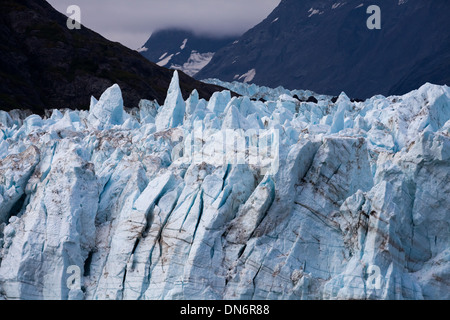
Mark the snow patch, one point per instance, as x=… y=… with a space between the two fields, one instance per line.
x=162 y=57
x=337 y=5
x=165 y=61
x=183 y=45
x=248 y=76
x=313 y=12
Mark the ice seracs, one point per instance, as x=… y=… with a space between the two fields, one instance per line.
x=148 y=206
x=171 y=114
x=108 y=111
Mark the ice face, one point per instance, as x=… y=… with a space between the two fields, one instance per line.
x=175 y=202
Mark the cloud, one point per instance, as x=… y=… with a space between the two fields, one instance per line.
x=132 y=22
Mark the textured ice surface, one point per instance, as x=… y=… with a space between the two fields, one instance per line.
x=171 y=113
x=358 y=209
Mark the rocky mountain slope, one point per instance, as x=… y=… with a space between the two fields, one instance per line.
x=325 y=46
x=44 y=65
x=326 y=200
x=182 y=50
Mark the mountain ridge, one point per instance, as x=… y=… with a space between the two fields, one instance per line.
x=44 y=65
x=326 y=47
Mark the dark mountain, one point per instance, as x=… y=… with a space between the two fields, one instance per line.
x=45 y=65
x=182 y=49
x=325 y=46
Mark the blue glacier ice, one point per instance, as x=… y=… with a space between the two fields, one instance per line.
x=145 y=206
x=171 y=113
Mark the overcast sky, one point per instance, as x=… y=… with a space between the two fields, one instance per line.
x=131 y=22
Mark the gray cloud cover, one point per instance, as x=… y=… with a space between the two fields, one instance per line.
x=132 y=22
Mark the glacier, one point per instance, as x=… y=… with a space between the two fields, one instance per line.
x=357 y=208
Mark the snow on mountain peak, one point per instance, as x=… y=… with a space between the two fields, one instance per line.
x=195 y=63
x=183 y=50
